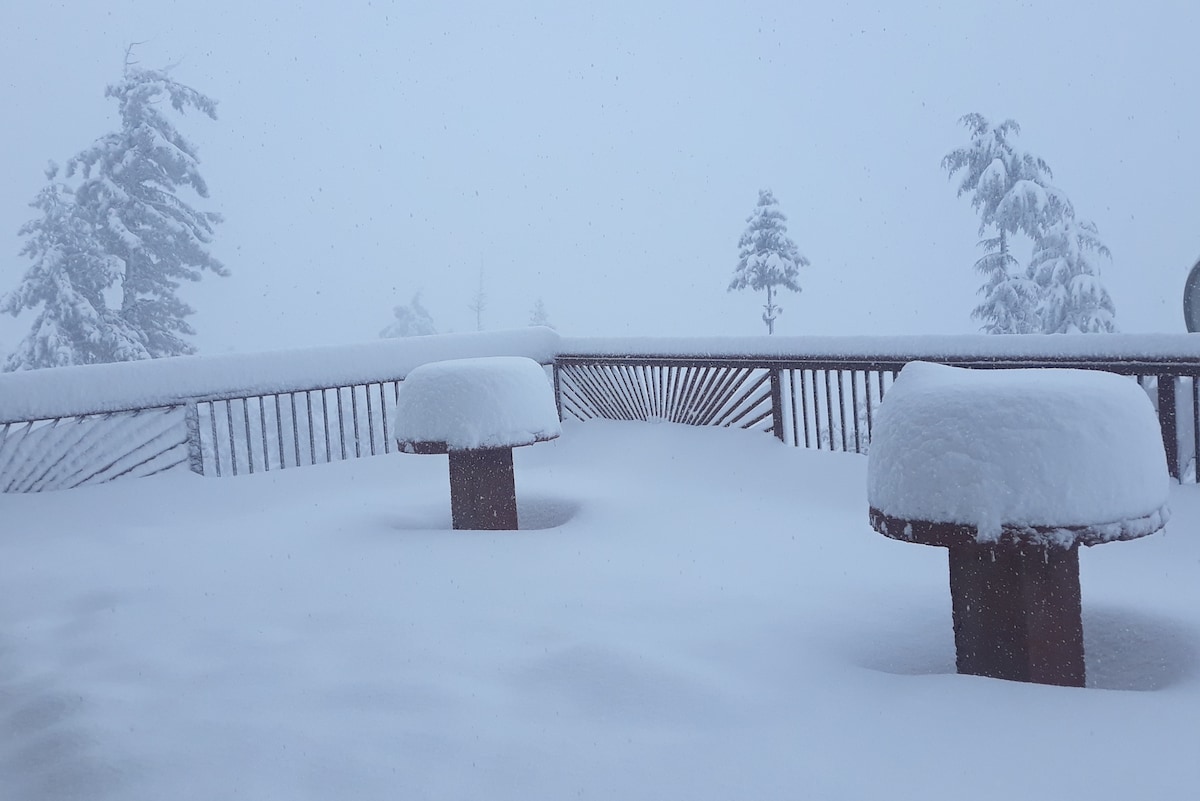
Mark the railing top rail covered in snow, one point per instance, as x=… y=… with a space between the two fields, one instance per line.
x=1167 y=354
x=130 y=386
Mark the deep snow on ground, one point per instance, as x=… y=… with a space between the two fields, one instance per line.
x=688 y=613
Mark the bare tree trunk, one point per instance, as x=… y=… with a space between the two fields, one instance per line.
x=479 y=302
x=769 y=317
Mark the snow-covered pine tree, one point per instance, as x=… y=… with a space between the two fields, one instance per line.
x=1008 y=190
x=538 y=316
x=767 y=258
x=129 y=192
x=1072 y=297
x=66 y=282
x=411 y=321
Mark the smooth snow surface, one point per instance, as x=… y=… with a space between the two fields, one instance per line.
x=699 y=614
x=1040 y=447
x=502 y=401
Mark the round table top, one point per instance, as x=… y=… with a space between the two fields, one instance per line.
x=1043 y=446
x=949 y=535
x=475 y=404
x=436 y=447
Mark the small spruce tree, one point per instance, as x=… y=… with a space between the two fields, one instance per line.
x=411 y=321
x=538 y=316
x=767 y=258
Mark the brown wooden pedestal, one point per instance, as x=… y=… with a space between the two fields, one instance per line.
x=1018 y=613
x=1017 y=606
x=483 y=492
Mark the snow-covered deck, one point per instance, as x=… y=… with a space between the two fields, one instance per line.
x=689 y=613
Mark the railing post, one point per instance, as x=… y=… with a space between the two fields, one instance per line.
x=191 y=417
x=1167 y=421
x=777 y=403
x=554 y=369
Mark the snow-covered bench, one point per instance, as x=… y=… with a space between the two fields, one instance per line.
x=477 y=411
x=1013 y=470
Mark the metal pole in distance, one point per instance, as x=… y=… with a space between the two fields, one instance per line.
x=483 y=493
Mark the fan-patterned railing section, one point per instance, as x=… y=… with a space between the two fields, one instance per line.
x=830 y=403
x=820 y=406
x=694 y=394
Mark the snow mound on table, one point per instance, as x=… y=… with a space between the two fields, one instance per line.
x=1035 y=447
x=501 y=401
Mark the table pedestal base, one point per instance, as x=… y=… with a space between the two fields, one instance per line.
x=1017 y=613
x=483 y=493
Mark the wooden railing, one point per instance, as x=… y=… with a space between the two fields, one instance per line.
x=824 y=399
x=67 y=429
x=219 y=416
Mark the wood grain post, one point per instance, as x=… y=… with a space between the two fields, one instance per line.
x=1018 y=613
x=483 y=492
x=1170 y=425
x=777 y=404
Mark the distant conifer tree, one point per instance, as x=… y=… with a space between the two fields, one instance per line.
x=129 y=192
x=767 y=258
x=1059 y=290
x=411 y=321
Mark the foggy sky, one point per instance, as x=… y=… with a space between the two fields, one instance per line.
x=604 y=157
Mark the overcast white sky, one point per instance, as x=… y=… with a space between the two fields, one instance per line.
x=604 y=157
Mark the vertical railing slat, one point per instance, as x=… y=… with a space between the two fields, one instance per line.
x=232 y=440
x=262 y=424
x=212 y=418
x=249 y=442
x=325 y=424
x=370 y=418
x=1167 y=420
x=279 y=431
x=776 y=404
x=1195 y=429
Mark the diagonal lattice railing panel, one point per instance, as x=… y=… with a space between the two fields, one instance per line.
x=69 y=452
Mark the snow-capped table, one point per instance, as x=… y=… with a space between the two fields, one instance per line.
x=477 y=411
x=1011 y=471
